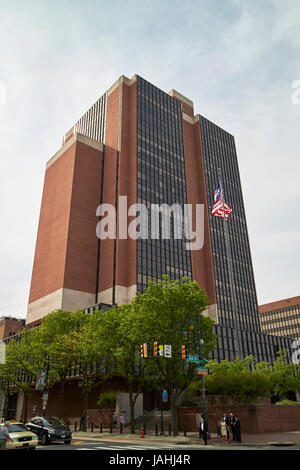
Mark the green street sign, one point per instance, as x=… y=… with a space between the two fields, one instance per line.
x=202 y=362
x=193 y=358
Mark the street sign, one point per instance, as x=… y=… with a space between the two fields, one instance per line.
x=202 y=362
x=193 y=358
x=161 y=349
x=167 y=350
x=202 y=370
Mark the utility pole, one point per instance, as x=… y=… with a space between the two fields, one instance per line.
x=202 y=378
x=45 y=391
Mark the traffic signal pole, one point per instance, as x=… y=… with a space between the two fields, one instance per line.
x=202 y=378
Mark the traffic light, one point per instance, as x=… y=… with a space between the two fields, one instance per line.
x=183 y=351
x=155 y=349
x=144 y=350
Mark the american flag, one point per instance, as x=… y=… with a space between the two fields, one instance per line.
x=220 y=206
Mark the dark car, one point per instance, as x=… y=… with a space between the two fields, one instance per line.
x=49 y=430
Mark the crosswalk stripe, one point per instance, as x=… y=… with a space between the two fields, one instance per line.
x=141 y=447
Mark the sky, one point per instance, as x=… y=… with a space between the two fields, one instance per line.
x=238 y=61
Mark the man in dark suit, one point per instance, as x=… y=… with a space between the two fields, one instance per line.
x=203 y=430
x=238 y=430
x=232 y=422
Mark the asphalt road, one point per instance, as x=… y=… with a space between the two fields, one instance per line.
x=119 y=446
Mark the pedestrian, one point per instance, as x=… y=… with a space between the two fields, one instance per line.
x=115 y=419
x=81 y=426
x=226 y=419
x=224 y=429
x=122 y=423
x=218 y=427
x=238 y=430
x=232 y=421
x=4 y=435
x=203 y=430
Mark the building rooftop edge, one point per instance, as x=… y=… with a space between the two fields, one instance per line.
x=176 y=94
x=69 y=138
x=278 y=304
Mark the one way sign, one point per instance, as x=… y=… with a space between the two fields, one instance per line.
x=167 y=350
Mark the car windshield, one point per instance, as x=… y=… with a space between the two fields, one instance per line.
x=17 y=428
x=54 y=422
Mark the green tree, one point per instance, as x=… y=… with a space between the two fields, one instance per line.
x=115 y=337
x=59 y=335
x=22 y=370
x=241 y=380
x=167 y=312
x=88 y=360
x=285 y=376
x=54 y=348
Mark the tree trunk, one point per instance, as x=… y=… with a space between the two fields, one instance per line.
x=61 y=397
x=174 y=411
x=5 y=408
x=25 y=408
x=85 y=406
x=132 y=403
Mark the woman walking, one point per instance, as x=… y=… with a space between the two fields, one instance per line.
x=224 y=429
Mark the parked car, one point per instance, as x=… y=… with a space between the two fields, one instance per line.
x=50 y=429
x=21 y=437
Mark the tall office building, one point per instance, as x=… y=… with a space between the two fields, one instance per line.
x=140 y=142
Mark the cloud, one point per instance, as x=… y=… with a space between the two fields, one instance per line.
x=236 y=60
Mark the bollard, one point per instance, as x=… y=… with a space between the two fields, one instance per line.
x=156 y=429
x=100 y=427
x=92 y=427
x=184 y=430
x=75 y=426
x=110 y=429
x=170 y=430
x=144 y=429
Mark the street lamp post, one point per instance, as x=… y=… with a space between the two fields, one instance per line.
x=202 y=378
x=162 y=431
x=46 y=389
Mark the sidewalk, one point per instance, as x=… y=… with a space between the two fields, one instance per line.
x=191 y=438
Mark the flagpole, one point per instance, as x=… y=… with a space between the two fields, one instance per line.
x=231 y=278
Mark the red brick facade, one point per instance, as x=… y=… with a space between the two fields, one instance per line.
x=10 y=326
x=255 y=419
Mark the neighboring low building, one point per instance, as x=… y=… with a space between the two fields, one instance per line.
x=10 y=326
x=281 y=318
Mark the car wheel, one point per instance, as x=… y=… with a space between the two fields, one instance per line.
x=44 y=439
x=67 y=442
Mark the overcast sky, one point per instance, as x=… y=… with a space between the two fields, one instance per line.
x=237 y=61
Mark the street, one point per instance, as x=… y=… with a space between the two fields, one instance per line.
x=125 y=446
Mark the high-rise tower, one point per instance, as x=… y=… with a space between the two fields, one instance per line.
x=140 y=142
